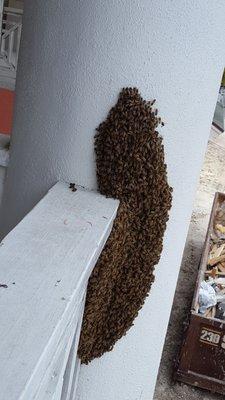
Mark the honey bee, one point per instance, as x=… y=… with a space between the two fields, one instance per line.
x=72 y=187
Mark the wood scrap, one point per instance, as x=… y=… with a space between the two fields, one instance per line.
x=216 y=260
x=221 y=268
x=213 y=312
x=213 y=251
x=207 y=313
x=220 y=228
x=219 y=251
x=210 y=312
x=214 y=272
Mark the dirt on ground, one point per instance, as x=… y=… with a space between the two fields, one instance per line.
x=212 y=179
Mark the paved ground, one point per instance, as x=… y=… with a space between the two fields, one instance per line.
x=212 y=179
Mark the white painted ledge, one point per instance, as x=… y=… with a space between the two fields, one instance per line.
x=46 y=262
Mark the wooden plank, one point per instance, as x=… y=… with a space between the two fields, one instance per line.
x=74 y=354
x=73 y=366
x=46 y=262
x=57 y=364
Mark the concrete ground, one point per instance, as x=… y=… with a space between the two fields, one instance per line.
x=212 y=179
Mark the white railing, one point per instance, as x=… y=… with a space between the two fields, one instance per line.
x=13 y=11
x=45 y=263
x=10 y=38
x=10 y=43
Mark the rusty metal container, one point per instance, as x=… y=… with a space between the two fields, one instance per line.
x=201 y=361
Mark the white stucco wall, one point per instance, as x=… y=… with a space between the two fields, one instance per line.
x=75 y=58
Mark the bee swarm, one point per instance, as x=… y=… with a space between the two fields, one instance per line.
x=131 y=168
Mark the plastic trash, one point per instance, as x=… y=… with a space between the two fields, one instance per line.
x=207 y=297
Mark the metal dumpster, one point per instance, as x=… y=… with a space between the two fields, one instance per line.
x=201 y=361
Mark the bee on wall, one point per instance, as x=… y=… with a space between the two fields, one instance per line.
x=130 y=167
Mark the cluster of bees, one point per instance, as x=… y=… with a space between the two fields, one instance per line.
x=131 y=168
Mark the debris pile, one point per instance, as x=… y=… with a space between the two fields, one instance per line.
x=212 y=289
x=131 y=168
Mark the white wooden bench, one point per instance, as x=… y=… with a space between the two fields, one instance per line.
x=46 y=262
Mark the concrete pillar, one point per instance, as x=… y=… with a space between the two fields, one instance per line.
x=75 y=57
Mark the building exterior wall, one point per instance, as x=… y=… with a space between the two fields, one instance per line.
x=74 y=60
